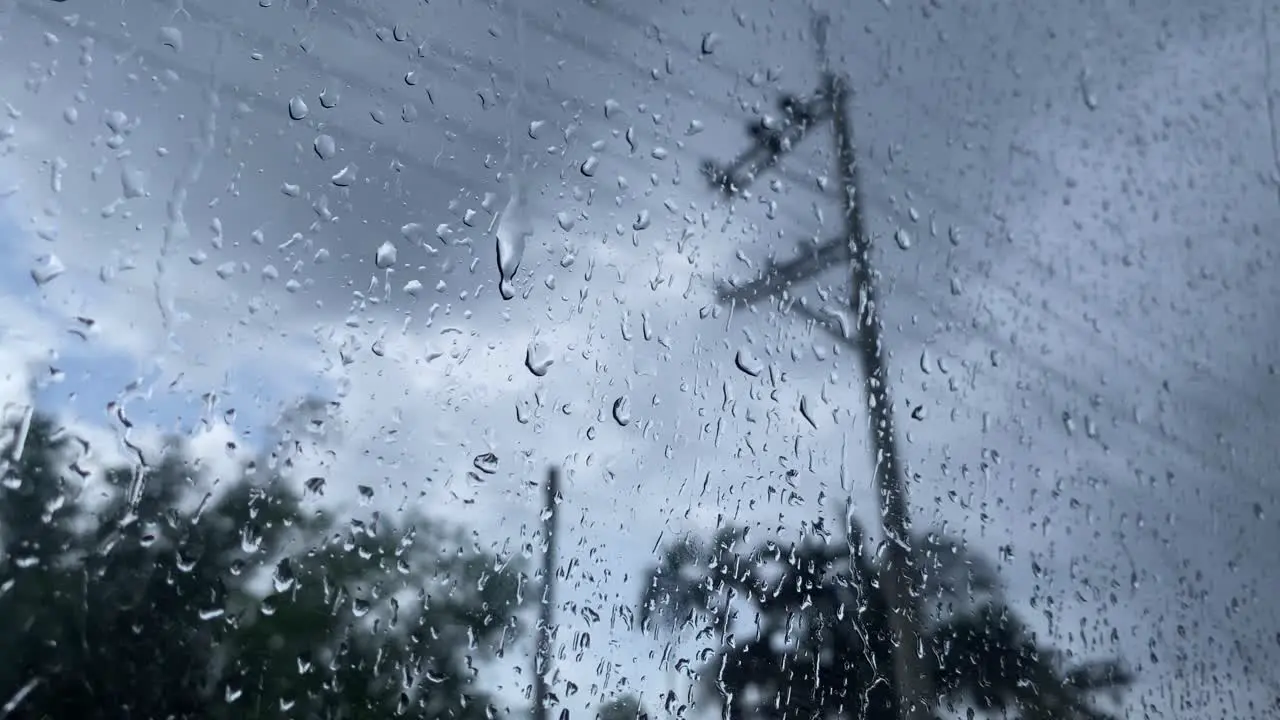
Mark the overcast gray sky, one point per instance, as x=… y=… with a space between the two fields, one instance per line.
x=1085 y=309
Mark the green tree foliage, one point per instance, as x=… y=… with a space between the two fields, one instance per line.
x=805 y=627
x=151 y=592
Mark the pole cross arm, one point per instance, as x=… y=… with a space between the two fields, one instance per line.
x=773 y=139
x=780 y=276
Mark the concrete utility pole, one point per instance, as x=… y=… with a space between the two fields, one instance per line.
x=542 y=654
x=772 y=142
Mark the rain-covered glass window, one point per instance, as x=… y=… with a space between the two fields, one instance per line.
x=681 y=359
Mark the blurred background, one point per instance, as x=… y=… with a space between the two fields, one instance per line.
x=303 y=301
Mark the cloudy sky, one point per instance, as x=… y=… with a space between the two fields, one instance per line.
x=1075 y=206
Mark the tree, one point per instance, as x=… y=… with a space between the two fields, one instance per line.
x=151 y=594
x=805 y=628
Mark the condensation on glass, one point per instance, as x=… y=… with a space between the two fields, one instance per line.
x=597 y=359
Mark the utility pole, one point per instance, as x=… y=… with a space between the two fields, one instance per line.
x=542 y=654
x=772 y=142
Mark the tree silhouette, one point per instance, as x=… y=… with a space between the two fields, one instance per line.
x=804 y=628
x=149 y=592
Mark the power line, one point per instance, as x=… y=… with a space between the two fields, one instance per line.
x=632 y=20
x=921 y=291
x=441 y=171
x=1125 y=415
x=1041 y=275
x=462 y=181
x=1044 y=310
x=584 y=46
x=1155 y=446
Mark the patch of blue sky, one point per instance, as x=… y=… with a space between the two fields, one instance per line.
x=15 y=271
x=249 y=397
x=82 y=380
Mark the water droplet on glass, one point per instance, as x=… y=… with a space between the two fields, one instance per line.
x=622 y=411
x=325 y=147
x=171 y=37
x=512 y=237
x=386 y=255
x=748 y=363
x=903 y=238
x=132 y=182
x=486 y=463
x=298 y=108
x=1087 y=94
x=250 y=539
x=116 y=121
x=282 y=577
x=47 y=269
x=366 y=494
x=413 y=232
x=345 y=177
x=589 y=166
x=537 y=358
x=806 y=412
x=210 y=613
x=710 y=41
x=565 y=221
x=226 y=269
x=186 y=562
